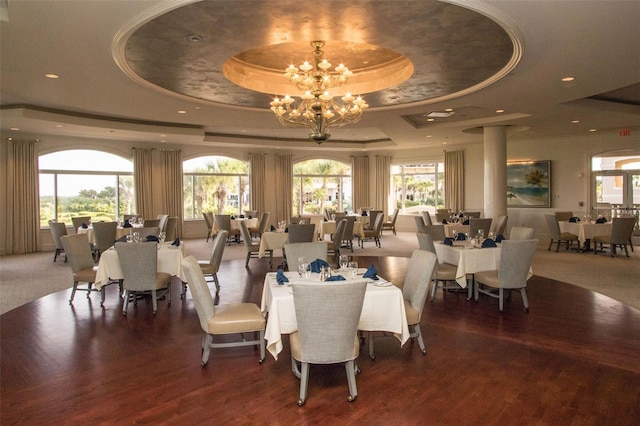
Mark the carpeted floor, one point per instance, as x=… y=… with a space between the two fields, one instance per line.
x=24 y=278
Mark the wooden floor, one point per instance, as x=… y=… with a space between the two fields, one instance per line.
x=573 y=359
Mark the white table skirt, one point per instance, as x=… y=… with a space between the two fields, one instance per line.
x=383 y=310
x=469 y=260
x=169 y=260
x=272 y=241
x=585 y=231
x=120 y=232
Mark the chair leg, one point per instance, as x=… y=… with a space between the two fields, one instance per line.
x=295 y=368
x=501 y=298
x=215 y=281
x=246 y=264
x=127 y=294
x=350 y=368
x=206 y=348
x=372 y=354
x=433 y=289
x=417 y=331
x=525 y=300
x=102 y=291
x=154 y=301
x=73 y=292
x=263 y=346
x=304 y=380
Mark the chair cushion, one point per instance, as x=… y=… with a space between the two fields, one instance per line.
x=163 y=280
x=446 y=272
x=236 y=318
x=87 y=275
x=207 y=268
x=604 y=239
x=568 y=236
x=296 y=350
x=413 y=316
x=489 y=278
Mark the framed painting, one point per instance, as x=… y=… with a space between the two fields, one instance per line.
x=529 y=184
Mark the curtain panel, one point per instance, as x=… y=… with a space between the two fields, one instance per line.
x=23 y=224
x=284 y=185
x=143 y=181
x=257 y=179
x=454 y=180
x=360 y=182
x=172 y=185
x=383 y=183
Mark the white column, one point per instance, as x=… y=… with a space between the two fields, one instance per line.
x=495 y=171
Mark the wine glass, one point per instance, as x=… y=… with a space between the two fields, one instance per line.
x=140 y=221
x=455 y=234
x=136 y=237
x=467 y=236
x=161 y=237
x=480 y=233
x=343 y=261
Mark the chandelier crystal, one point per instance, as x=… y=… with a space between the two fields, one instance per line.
x=317 y=108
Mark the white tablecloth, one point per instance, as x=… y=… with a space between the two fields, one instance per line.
x=383 y=310
x=272 y=241
x=329 y=228
x=585 y=231
x=120 y=232
x=235 y=224
x=169 y=260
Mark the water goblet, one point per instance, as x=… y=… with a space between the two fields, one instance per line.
x=136 y=237
x=467 y=236
x=343 y=261
x=455 y=234
x=480 y=234
x=129 y=238
x=353 y=269
x=161 y=237
x=140 y=221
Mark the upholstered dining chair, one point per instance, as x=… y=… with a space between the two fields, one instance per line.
x=621 y=234
x=475 y=224
x=128 y=217
x=472 y=214
x=516 y=257
x=347 y=236
x=253 y=249
x=58 y=230
x=212 y=266
x=224 y=223
x=310 y=251
x=250 y=214
x=236 y=318
x=79 y=221
x=557 y=236
x=420 y=272
x=163 y=222
x=391 y=223
x=445 y=272
x=78 y=252
x=373 y=215
x=521 y=233
x=372 y=234
x=420 y=225
x=564 y=216
x=335 y=244
x=105 y=236
x=171 y=229
x=426 y=216
x=499 y=225
x=146 y=231
x=139 y=263
x=442 y=214
x=208 y=220
x=327 y=335
x=151 y=223
x=301 y=233
x=436 y=231
x=262 y=225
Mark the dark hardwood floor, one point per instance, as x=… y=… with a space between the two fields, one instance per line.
x=573 y=359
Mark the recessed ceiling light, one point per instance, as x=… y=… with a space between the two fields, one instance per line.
x=444 y=143
x=448 y=109
x=181 y=111
x=50 y=75
x=439 y=114
x=499 y=111
x=593 y=130
x=575 y=121
x=429 y=136
x=163 y=136
x=431 y=119
x=15 y=129
x=568 y=78
x=194 y=38
x=59 y=126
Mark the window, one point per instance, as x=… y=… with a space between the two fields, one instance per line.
x=615 y=183
x=321 y=184
x=85 y=183
x=418 y=187
x=215 y=184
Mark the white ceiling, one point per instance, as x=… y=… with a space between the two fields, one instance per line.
x=594 y=41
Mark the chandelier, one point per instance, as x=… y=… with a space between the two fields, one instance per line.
x=317 y=109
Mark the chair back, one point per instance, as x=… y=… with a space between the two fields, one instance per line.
x=328 y=335
x=139 y=263
x=150 y=223
x=340 y=215
x=336 y=243
x=472 y=214
x=328 y=213
x=78 y=252
x=199 y=291
x=419 y=274
x=425 y=242
x=224 y=222
x=622 y=229
x=348 y=229
x=128 y=217
x=250 y=214
x=78 y=221
x=218 y=250
x=208 y=219
x=436 y=232
x=301 y=233
x=426 y=217
x=394 y=216
x=516 y=257
x=171 y=228
x=499 y=225
x=264 y=221
x=564 y=216
x=442 y=214
x=373 y=217
x=552 y=224
x=245 y=234
x=521 y=233
x=104 y=234
x=58 y=229
x=310 y=251
x=420 y=225
x=475 y=224
x=146 y=231
x=163 y=221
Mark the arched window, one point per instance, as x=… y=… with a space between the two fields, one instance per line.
x=85 y=183
x=215 y=184
x=320 y=184
x=418 y=187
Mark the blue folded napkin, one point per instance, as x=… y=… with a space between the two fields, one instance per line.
x=574 y=219
x=488 y=243
x=444 y=221
x=499 y=238
x=176 y=242
x=448 y=241
x=273 y=228
x=317 y=265
x=281 y=277
x=336 y=278
x=233 y=217
x=152 y=238
x=242 y=216
x=84 y=226
x=461 y=237
x=601 y=220
x=126 y=224
x=371 y=273
x=466 y=222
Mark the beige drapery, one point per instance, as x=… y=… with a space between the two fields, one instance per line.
x=360 y=182
x=284 y=185
x=454 y=180
x=383 y=183
x=143 y=181
x=23 y=222
x=170 y=176
x=257 y=178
